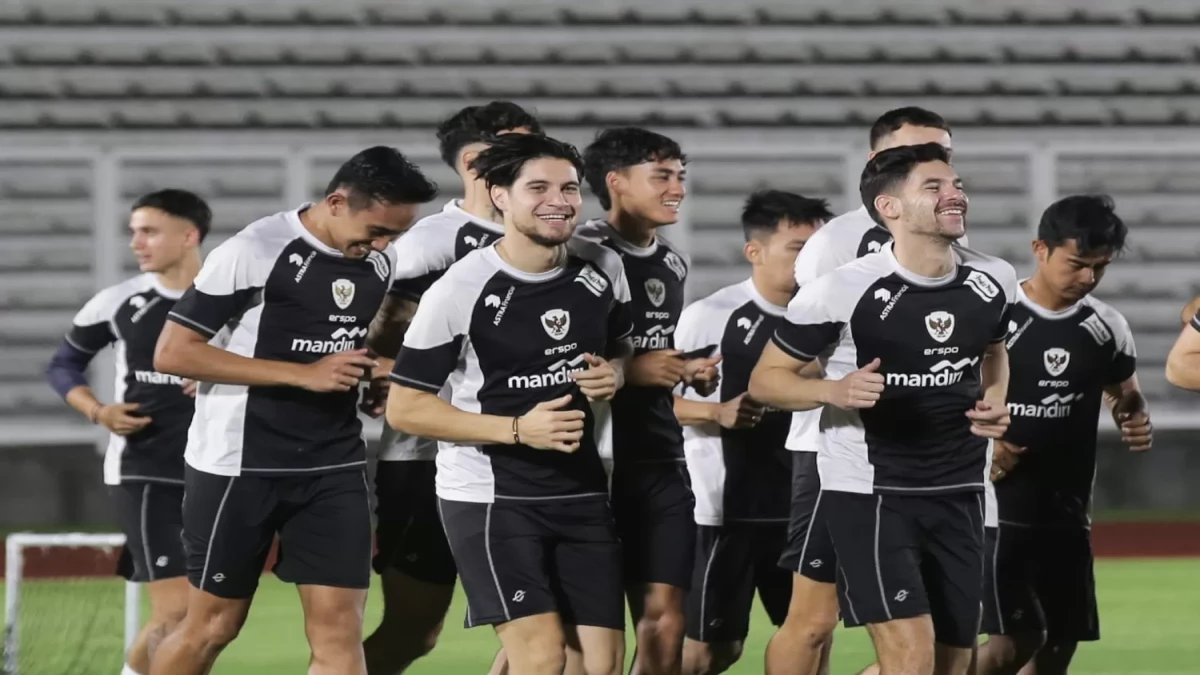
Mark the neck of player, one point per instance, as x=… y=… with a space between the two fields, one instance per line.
x=179 y=276
x=924 y=255
x=527 y=255
x=775 y=296
x=1040 y=293
x=477 y=202
x=636 y=231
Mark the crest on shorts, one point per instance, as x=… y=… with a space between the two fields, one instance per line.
x=656 y=290
x=1056 y=360
x=343 y=293
x=556 y=322
x=940 y=325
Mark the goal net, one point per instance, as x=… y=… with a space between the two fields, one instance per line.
x=65 y=609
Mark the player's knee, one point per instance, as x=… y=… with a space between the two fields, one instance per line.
x=546 y=656
x=335 y=625
x=721 y=657
x=213 y=631
x=663 y=621
x=1015 y=649
x=811 y=629
x=604 y=662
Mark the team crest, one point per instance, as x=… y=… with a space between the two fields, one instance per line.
x=1056 y=361
x=556 y=322
x=343 y=293
x=940 y=325
x=656 y=290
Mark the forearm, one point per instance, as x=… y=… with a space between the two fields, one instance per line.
x=419 y=413
x=786 y=389
x=84 y=400
x=386 y=333
x=696 y=413
x=203 y=362
x=1183 y=370
x=994 y=376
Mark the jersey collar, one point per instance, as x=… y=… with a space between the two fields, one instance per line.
x=626 y=247
x=293 y=218
x=167 y=293
x=454 y=208
x=532 y=277
x=913 y=277
x=763 y=304
x=1042 y=311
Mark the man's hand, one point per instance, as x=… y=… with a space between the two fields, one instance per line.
x=702 y=374
x=662 y=368
x=189 y=388
x=600 y=381
x=1005 y=456
x=989 y=420
x=860 y=389
x=374 y=397
x=117 y=418
x=549 y=427
x=740 y=412
x=337 y=372
x=1136 y=430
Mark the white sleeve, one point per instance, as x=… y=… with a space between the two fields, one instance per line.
x=434 y=339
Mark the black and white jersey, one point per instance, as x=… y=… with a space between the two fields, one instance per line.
x=129 y=316
x=644 y=424
x=429 y=248
x=930 y=336
x=273 y=291
x=503 y=341
x=1060 y=363
x=738 y=475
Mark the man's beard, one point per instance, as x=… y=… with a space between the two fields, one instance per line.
x=545 y=240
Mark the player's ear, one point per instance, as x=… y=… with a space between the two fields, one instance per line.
x=887 y=206
x=1041 y=252
x=464 y=160
x=337 y=202
x=499 y=197
x=753 y=251
x=613 y=180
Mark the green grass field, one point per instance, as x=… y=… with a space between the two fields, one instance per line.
x=1150 y=618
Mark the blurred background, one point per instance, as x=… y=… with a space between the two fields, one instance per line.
x=253 y=104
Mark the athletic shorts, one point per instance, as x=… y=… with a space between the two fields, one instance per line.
x=408 y=532
x=809 y=550
x=323 y=523
x=521 y=558
x=654 y=509
x=151 y=516
x=1040 y=579
x=732 y=561
x=901 y=556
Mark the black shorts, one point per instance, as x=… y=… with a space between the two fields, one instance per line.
x=654 y=509
x=809 y=549
x=408 y=532
x=731 y=562
x=323 y=523
x=901 y=556
x=1040 y=579
x=151 y=516
x=521 y=558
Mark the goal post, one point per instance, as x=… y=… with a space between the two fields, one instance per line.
x=73 y=565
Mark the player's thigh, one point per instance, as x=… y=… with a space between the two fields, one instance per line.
x=333 y=614
x=409 y=535
x=1010 y=602
x=325 y=536
x=502 y=559
x=1066 y=585
x=228 y=526
x=773 y=582
x=809 y=548
x=951 y=531
x=531 y=643
x=717 y=608
x=151 y=516
x=412 y=606
x=654 y=510
x=585 y=564
x=878 y=553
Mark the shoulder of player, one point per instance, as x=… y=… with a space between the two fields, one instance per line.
x=264 y=239
x=602 y=257
x=104 y=304
x=1116 y=322
x=1000 y=270
x=673 y=248
x=596 y=231
x=710 y=313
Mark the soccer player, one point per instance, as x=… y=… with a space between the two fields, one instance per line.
x=638 y=176
x=912 y=342
x=1183 y=362
x=804 y=639
x=740 y=470
x=275 y=446
x=413 y=560
x=151 y=411
x=520 y=332
x=1067 y=351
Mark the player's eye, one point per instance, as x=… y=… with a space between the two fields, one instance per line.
x=571 y=189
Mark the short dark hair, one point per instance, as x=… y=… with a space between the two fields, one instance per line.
x=501 y=162
x=1091 y=220
x=481 y=124
x=382 y=174
x=891 y=121
x=620 y=148
x=891 y=167
x=181 y=204
x=764 y=210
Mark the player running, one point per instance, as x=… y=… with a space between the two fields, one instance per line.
x=912 y=341
x=739 y=467
x=151 y=411
x=276 y=445
x=1067 y=350
x=515 y=335
x=638 y=176
x=804 y=639
x=413 y=560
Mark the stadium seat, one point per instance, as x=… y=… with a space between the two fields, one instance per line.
x=40 y=252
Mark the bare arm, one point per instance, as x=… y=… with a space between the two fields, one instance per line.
x=1125 y=396
x=420 y=413
x=1183 y=362
x=386 y=334
x=787 y=383
x=994 y=374
x=184 y=352
x=696 y=413
x=1130 y=414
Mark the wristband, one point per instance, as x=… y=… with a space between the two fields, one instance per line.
x=94 y=414
x=516 y=431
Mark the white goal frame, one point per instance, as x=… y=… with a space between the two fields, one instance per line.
x=14 y=572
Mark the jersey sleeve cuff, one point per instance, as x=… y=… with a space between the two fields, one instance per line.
x=411 y=383
x=191 y=323
x=792 y=351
